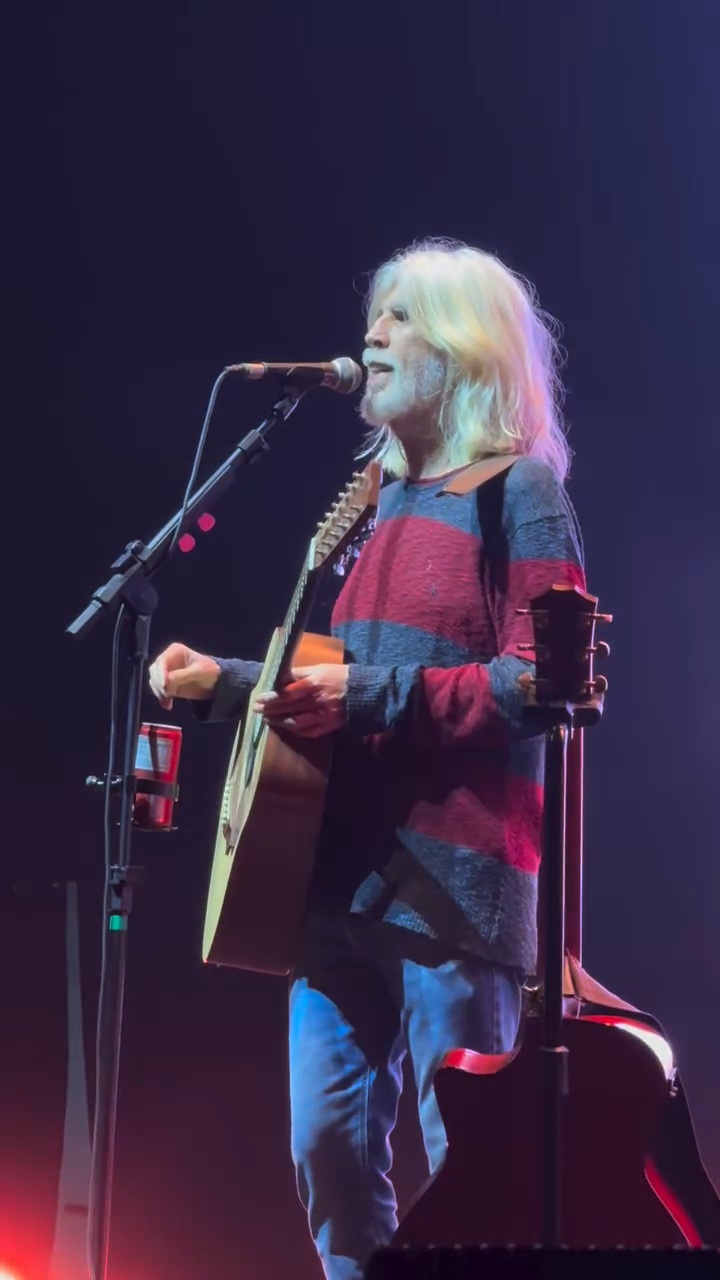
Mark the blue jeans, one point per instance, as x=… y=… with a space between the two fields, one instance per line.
x=363 y=995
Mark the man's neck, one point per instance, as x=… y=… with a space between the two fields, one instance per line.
x=428 y=465
x=426 y=455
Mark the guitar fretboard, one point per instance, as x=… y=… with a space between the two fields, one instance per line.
x=294 y=623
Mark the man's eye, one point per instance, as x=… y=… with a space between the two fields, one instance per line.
x=399 y=313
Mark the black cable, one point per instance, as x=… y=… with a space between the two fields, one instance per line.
x=198 y=457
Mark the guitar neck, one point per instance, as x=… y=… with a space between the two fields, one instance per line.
x=574 y=845
x=342 y=525
x=295 y=623
x=572 y=915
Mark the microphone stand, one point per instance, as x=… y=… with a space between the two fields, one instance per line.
x=130 y=588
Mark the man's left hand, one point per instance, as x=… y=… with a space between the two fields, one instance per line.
x=313 y=703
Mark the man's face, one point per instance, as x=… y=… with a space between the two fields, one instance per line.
x=406 y=375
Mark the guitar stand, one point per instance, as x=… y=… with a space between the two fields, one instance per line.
x=130 y=592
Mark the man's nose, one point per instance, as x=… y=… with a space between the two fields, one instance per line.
x=376 y=336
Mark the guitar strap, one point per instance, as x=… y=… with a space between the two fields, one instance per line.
x=478 y=473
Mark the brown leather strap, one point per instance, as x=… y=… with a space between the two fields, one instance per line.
x=478 y=472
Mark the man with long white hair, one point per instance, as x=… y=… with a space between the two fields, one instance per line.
x=421 y=920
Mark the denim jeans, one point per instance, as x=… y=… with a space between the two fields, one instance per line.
x=363 y=995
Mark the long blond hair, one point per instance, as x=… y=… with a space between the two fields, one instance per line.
x=503 y=392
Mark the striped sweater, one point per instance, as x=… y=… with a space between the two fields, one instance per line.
x=434 y=804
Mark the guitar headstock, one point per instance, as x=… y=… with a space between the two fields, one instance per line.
x=563 y=620
x=347 y=517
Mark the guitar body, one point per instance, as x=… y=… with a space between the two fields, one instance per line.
x=489 y=1189
x=269 y=823
x=274 y=794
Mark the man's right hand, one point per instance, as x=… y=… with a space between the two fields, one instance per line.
x=179 y=672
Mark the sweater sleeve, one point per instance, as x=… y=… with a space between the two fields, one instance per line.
x=235 y=683
x=481 y=704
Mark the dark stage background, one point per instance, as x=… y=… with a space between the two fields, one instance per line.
x=194 y=184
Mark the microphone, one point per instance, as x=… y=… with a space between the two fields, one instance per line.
x=342 y=375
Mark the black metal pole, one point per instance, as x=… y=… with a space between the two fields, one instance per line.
x=555 y=1054
x=130 y=588
x=110 y=1034
x=120 y=882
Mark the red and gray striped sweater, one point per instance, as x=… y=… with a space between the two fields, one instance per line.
x=435 y=797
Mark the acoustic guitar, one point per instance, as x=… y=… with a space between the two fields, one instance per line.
x=274 y=793
x=581 y=1135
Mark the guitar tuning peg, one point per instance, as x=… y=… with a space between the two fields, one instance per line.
x=601 y=648
x=599 y=685
x=602 y=617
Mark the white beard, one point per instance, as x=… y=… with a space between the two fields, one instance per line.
x=405 y=394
